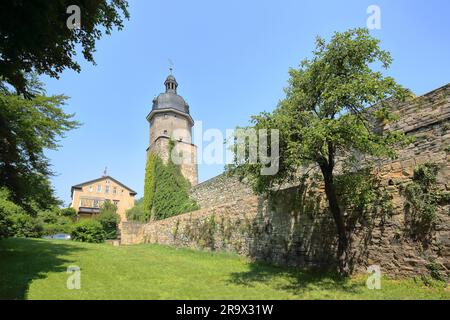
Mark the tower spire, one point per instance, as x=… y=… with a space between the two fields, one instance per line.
x=170 y=66
x=171 y=83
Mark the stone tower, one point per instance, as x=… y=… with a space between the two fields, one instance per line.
x=169 y=119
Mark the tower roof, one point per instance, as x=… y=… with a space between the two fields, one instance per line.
x=170 y=99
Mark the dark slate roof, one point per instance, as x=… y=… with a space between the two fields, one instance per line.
x=170 y=100
x=80 y=185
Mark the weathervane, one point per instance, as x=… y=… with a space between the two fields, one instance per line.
x=170 y=66
x=105 y=171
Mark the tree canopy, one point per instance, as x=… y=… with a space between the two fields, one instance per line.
x=27 y=128
x=34 y=36
x=325 y=116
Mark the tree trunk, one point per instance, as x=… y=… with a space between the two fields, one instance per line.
x=343 y=242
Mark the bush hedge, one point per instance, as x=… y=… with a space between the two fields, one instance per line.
x=109 y=222
x=88 y=230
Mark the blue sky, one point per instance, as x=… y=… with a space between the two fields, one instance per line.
x=231 y=60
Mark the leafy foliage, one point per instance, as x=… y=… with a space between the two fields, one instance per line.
x=88 y=230
x=149 y=186
x=56 y=220
x=34 y=36
x=24 y=225
x=362 y=198
x=27 y=128
x=109 y=219
x=7 y=210
x=435 y=271
x=166 y=190
x=136 y=213
x=15 y=221
x=422 y=200
x=171 y=196
x=325 y=117
x=68 y=212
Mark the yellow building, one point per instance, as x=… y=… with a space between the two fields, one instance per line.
x=88 y=197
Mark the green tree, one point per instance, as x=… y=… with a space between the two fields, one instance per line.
x=136 y=213
x=109 y=219
x=88 y=230
x=34 y=36
x=56 y=220
x=324 y=116
x=27 y=128
x=7 y=210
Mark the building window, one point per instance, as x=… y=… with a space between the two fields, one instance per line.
x=165 y=131
x=107 y=189
x=90 y=189
x=99 y=188
x=116 y=203
x=121 y=191
x=107 y=181
x=165 y=115
x=114 y=190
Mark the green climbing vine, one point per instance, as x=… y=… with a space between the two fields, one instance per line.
x=166 y=190
x=149 y=186
x=422 y=200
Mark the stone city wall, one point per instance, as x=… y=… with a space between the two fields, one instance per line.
x=288 y=232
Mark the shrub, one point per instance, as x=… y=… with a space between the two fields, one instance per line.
x=137 y=212
x=68 y=212
x=7 y=208
x=56 y=220
x=88 y=230
x=423 y=200
x=5 y=224
x=62 y=225
x=109 y=222
x=24 y=225
x=109 y=219
x=14 y=220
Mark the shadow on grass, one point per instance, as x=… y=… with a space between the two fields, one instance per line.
x=25 y=260
x=293 y=280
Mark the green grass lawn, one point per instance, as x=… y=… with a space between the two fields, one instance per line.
x=37 y=269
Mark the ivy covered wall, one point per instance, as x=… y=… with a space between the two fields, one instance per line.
x=166 y=190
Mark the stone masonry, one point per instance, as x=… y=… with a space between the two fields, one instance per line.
x=281 y=231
